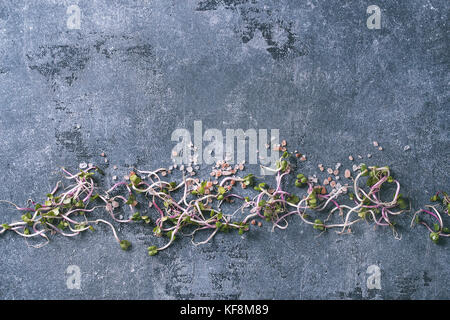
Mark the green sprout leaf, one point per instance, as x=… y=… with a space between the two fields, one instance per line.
x=125 y=245
x=434 y=236
x=364 y=169
x=248 y=180
x=135 y=179
x=221 y=190
x=293 y=199
x=136 y=216
x=152 y=250
x=6 y=226
x=318 y=224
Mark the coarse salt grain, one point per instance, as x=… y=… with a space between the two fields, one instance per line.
x=83 y=165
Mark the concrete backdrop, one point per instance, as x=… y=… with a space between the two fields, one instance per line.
x=137 y=70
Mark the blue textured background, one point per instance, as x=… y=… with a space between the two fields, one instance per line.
x=137 y=70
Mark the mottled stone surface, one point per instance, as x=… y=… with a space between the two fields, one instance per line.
x=137 y=70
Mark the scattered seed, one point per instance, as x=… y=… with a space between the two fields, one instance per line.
x=303 y=158
x=406 y=148
x=326 y=182
x=259 y=224
x=350 y=158
x=380 y=148
x=330 y=171
x=375 y=144
x=174 y=153
x=253 y=222
x=333 y=184
x=329 y=178
x=336 y=172
x=114 y=177
x=347 y=173
x=115 y=167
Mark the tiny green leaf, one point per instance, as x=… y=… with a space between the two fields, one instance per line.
x=125 y=244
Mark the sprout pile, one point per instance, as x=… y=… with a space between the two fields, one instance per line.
x=192 y=207
x=442 y=204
